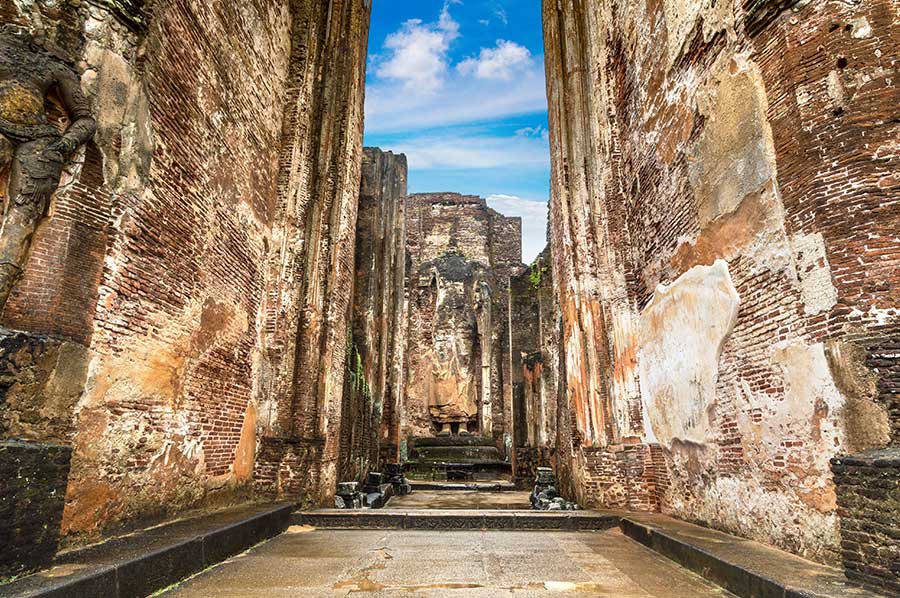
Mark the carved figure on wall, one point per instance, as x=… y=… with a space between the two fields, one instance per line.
x=33 y=151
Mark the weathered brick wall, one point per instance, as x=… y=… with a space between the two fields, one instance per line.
x=460 y=257
x=205 y=236
x=868 y=494
x=369 y=425
x=534 y=353
x=762 y=135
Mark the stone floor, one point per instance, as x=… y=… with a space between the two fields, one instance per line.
x=317 y=563
x=461 y=499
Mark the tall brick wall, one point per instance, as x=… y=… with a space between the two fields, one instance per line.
x=377 y=329
x=762 y=135
x=311 y=261
x=534 y=354
x=195 y=275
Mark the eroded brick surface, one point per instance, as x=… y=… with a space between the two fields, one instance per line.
x=370 y=424
x=762 y=135
x=196 y=269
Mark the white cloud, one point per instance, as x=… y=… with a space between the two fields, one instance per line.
x=500 y=63
x=417 y=53
x=414 y=85
x=461 y=151
x=538 y=131
x=534 y=221
x=463 y=100
x=501 y=15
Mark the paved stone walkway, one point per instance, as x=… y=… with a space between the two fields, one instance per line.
x=471 y=564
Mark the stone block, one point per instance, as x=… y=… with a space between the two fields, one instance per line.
x=32 y=496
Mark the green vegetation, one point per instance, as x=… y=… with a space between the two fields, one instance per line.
x=355 y=368
x=538 y=269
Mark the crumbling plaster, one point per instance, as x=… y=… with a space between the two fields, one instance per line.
x=717 y=149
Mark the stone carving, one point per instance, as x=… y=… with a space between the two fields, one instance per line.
x=33 y=152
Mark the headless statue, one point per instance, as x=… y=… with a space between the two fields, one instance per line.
x=33 y=152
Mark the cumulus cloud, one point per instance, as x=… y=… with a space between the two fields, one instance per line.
x=534 y=221
x=415 y=84
x=417 y=53
x=500 y=63
x=464 y=100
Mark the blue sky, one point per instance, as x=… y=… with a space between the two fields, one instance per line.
x=458 y=86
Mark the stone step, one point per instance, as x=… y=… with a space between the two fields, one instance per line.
x=498 y=486
x=144 y=562
x=743 y=567
x=457 y=520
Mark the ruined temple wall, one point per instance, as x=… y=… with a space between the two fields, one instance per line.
x=171 y=267
x=369 y=428
x=535 y=361
x=765 y=139
x=460 y=256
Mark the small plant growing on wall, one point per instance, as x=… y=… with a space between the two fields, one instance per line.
x=538 y=269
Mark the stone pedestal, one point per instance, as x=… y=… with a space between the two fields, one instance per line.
x=41 y=379
x=868 y=491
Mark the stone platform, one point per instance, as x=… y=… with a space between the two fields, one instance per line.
x=746 y=568
x=450 y=458
x=482 y=486
x=462 y=500
x=142 y=563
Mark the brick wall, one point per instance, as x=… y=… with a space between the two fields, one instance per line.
x=760 y=135
x=868 y=489
x=377 y=329
x=197 y=265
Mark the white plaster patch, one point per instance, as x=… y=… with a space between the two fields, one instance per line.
x=681 y=18
x=861 y=29
x=814 y=272
x=680 y=339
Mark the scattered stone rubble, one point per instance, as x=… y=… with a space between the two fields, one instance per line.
x=376 y=492
x=545 y=496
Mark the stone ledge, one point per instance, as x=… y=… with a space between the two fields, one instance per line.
x=743 y=567
x=888 y=457
x=457 y=520
x=140 y=564
x=464 y=487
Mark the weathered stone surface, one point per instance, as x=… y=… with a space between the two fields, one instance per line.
x=191 y=285
x=377 y=330
x=461 y=255
x=32 y=495
x=760 y=134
